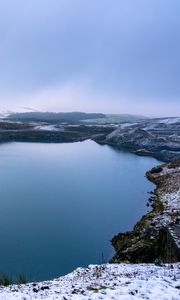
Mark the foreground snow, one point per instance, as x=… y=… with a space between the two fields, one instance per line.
x=109 y=281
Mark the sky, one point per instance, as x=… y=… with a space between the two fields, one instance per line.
x=110 y=56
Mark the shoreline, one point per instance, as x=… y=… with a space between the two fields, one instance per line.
x=156 y=236
x=149 y=137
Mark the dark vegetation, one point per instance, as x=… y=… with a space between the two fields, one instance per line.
x=7 y=280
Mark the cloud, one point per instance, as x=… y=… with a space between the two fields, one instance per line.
x=81 y=96
x=72 y=96
x=119 y=55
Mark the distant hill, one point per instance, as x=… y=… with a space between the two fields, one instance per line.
x=55 y=117
x=116 y=118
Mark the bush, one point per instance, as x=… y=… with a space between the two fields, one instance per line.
x=21 y=279
x=158 y=262
x=5 y=280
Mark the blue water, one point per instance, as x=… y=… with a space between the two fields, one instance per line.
x=62 y=203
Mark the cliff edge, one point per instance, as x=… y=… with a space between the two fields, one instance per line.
x=157 y=235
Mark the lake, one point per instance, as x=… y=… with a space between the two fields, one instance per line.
x=62 y=203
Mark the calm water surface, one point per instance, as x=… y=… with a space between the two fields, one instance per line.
x=62 y=203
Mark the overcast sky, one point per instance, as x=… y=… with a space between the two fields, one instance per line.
x=112 y=56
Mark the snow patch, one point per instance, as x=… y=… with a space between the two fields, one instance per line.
x=109 y=281
x=169 y=120
x=49 y=128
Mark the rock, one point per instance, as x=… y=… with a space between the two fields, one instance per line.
x=148 y=240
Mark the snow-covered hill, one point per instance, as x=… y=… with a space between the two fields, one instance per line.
x=157 y=137
x=109 y=281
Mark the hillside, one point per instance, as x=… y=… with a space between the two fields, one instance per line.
x=110 y=281
x=154 y=137
x=54 y=117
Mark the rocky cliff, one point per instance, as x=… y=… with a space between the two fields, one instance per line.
x=157 y=234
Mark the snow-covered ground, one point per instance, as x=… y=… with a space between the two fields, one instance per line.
x=109 y=281
x=169 y=194
x=49 y=128
x=171 y=120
